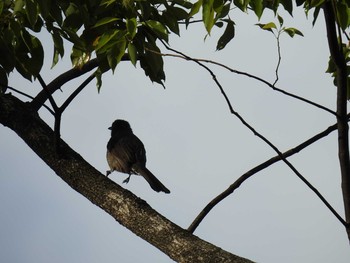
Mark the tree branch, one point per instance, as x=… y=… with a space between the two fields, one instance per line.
x=58 y=82
x=129 y=210
x=49 y=95
x=257 y=169
x=343 y=130
x=76 y=92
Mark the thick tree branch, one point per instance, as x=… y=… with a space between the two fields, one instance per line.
x=257 y=169
x=343 y=130
x=129 y=210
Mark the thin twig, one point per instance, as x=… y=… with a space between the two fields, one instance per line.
x=76 y=92
x=257 y=169
x=279 y=59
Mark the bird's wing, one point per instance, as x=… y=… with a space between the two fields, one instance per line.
x=129 y=149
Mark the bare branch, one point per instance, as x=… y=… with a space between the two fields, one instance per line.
x=76 y=92
x=272 y=86
x=257 y=169
x=245 y=123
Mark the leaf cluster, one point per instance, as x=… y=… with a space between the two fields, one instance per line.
x=115 y=30
x=108 y=29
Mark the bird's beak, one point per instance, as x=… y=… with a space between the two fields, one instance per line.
x=110 y=128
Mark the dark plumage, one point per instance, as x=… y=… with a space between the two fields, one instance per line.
x=126 y=154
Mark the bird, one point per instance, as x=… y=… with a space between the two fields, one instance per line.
x=126 y=154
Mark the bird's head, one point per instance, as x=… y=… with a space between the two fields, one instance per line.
x=120 y=126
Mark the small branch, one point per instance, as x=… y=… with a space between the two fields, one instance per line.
x=76 y=92
x=185 y=57
x=279 y=59
x=257 y=169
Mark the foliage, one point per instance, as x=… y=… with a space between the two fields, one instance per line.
x=110 y=29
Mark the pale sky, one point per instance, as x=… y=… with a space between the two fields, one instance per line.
x=196 y=148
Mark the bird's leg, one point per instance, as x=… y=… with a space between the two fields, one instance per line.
x=127 y=179
x=108 y=172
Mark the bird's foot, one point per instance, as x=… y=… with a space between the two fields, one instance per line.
x=108 y=172
x=127 y=179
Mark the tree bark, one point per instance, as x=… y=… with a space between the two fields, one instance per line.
x=129 y=210
x=338 y=58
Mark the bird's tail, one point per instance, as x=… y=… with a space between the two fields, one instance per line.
x=151 y=179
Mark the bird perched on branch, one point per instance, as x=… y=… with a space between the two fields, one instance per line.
x=126 y=154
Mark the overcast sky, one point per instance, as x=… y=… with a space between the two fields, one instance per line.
x=196 y=148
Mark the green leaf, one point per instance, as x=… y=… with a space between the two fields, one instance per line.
x=208 y=14
x=227 y=36
x=300 y=2
x=19 y=4
x=44 y=7
x=343 y=15
x=105 y=38
x=316 y=3
x=3 y=80
x=7 y=58
x=158 y=28
x=178 y=13
x=79 y=58
x=195 y=8
x=31 y=11
x=30 y=57
x=107 y=2
x=219 y=24
x=98 y=75
x=316 y=12
x=58 y=47
x=223 y=12
x=257 y=6
x=1 y=7
x=348 y=88
x=152 y=63
x=288 y=5
x=115 y=54
x=131 y=26
x=105 y=20
x=331 y=66
x=268 y=26
x=171 y=22
x=132 y=51
x=280 y=20
x=292 y=31
x=241 y=4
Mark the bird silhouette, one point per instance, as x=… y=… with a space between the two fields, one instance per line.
x=126 y=153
